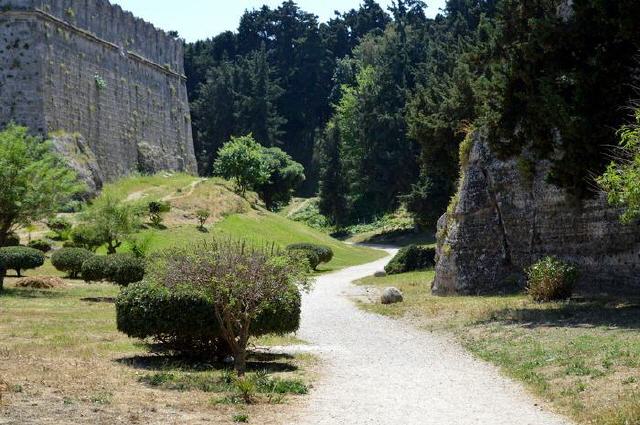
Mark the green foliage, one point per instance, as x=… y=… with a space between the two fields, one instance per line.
x=34 y=183
x=124 y=269
x=70 y=260
x=241 y=284
x=305 y=255
x=87 y=236
x=412 y=258
x=21 y=258
x=12 y=239
x=40 y=244
x=324 y=253
x=551 y=279
x=95 y=269
x=308 y=212
x=202 y=216
x=110 y=221
x=285 y=175
x=101 y=83
x=155 y=210
x=621 y=180
x=241 y=160
x=121 y=269
x=60 y=226
x=182 y=319
x=333 y=202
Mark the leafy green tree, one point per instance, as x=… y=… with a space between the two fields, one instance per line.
x=621 y=180
x=333 y=187
x=34 y=182
x=242 y=161
x=285 y=175
x=111 y=221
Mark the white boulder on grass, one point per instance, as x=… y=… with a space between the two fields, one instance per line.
x=391 y=296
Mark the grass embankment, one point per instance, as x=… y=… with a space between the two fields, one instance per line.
x=62 y=358
x=581 y=356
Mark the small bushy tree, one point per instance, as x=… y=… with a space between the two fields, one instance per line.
x=111 y=220
x=241 y=160
x=34 y=182
x=241 y=283
x=156 y=209
x=60 y=226
x=285 y=175
x=70 y=260
x=21 y=258
x=202 y=216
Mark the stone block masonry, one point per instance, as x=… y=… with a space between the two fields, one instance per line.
x=88 y=68
x=507 y=217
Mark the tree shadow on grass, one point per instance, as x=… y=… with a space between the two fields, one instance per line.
x=270 y=362
x=580 y=313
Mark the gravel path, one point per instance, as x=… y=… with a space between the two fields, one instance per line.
x=381 y=371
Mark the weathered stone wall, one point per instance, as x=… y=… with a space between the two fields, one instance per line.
x=87 y=67
x=508 y=218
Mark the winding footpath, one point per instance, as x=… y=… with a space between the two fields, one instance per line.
x=381 y=371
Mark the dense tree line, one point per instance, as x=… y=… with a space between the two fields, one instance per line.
x=375 y=103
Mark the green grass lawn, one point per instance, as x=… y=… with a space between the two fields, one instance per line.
x=261 y=227
x=581 y=356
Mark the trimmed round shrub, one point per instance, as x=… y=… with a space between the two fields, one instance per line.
x=124 y=269
x=412 y=258
x=310 y=255
x=95 y=269
x=551 y=279
x=323 y=253
x=181 y=318
x=40 y=244
x=21 y=258
x=12 y=239
x=70 y=260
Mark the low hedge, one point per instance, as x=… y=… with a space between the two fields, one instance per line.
x=412 y=258
x=182 y=319
x=122 y=269
x=316 y=254
x=21 y=258
x=70 y=260
x=40 y=244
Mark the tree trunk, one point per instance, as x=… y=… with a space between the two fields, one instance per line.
x=240 y=361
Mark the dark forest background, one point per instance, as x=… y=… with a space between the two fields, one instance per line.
x=375 y=103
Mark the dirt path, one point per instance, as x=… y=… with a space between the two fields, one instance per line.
x=379 y=371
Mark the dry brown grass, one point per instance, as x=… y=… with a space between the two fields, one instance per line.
x=63 y=362
x=40 y=282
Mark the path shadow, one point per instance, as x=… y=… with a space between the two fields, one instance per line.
x=580 y=313
x=270 y=362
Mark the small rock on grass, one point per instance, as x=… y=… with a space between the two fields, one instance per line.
x=391 y=296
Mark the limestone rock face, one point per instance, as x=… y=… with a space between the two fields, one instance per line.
x=507 y=218
x=391 y=296
x=77 y=153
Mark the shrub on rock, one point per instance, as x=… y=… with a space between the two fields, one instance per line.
x=412 y=258
x=21 y=258
x=40 y=244
x=70 y=260
x=551 y=279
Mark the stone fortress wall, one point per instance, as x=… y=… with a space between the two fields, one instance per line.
x=89 y=69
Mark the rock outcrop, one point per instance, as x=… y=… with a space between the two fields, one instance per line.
x=507 y=217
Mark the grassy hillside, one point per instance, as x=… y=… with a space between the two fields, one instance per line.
x=232 y=216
